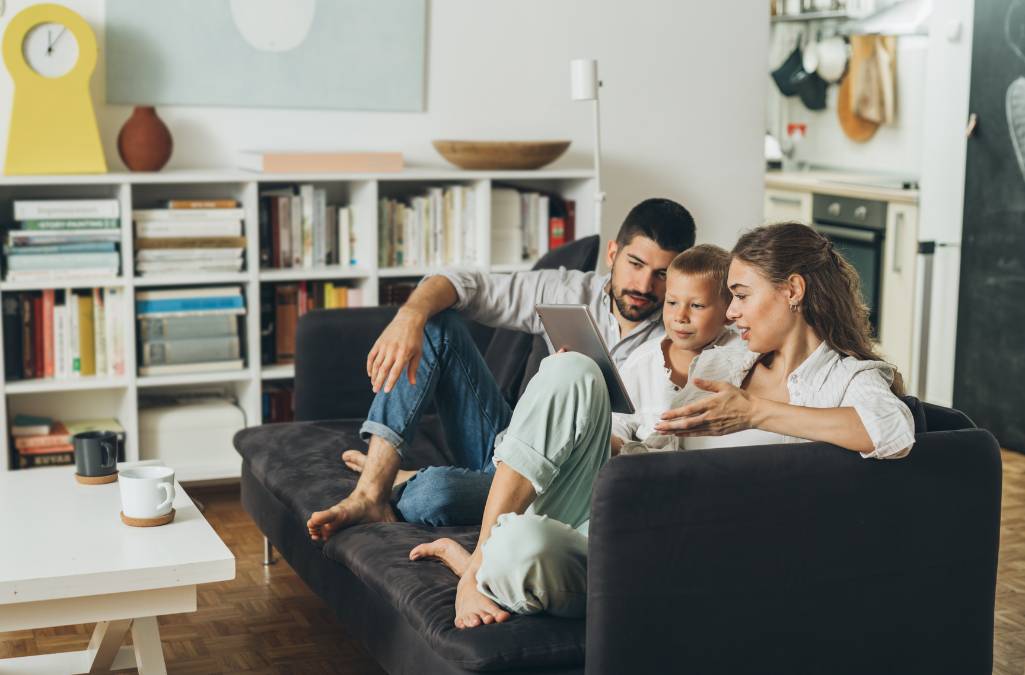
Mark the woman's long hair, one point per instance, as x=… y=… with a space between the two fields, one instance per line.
x=832 y=303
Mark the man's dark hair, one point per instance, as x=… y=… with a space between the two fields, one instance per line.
x=663 y=221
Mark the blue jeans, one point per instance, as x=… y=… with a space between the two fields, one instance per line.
x=452 y=373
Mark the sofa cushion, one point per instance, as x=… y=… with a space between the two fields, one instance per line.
x=300 y=464
x=424 y=592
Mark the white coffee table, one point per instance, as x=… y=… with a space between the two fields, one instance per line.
x=66 y=558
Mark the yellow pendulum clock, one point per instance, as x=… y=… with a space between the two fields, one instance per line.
x=50 y=52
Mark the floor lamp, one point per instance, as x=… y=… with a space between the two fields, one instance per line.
x=584 y=84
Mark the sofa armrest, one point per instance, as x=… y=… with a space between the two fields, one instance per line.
x=331 y=348
x=796 y=558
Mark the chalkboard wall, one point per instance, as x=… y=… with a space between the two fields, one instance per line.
x=989 y=376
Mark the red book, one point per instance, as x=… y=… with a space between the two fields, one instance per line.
x=47 y=320
x=556 y=232
x=37 y=337
x=47 y=449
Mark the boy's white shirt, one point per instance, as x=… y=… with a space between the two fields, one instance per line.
x=648 y=379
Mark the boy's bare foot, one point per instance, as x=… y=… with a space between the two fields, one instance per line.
x=354 y=509
x=473 y=608
x=357 y=460
x=448 y=551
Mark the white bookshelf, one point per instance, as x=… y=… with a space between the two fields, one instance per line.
x=119 y=396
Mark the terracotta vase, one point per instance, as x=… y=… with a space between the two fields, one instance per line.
x=144 y=141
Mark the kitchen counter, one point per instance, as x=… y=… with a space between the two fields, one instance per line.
x=841 y=183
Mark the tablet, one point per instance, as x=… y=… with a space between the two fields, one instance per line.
x=573 y=327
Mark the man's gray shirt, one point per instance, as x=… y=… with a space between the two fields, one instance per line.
x=508 y=301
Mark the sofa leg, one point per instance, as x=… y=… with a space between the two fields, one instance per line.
x=268 y=552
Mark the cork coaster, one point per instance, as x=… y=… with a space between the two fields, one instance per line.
x=148 y=522
x=96 y=480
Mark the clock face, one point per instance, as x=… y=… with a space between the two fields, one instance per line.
x=50 y=49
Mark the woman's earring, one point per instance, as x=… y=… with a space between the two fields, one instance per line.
x=794 y=308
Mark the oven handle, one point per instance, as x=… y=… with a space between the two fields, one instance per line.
x=848 y=233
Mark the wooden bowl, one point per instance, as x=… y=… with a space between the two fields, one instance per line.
x=492 y=155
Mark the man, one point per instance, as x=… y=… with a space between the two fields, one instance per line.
x=434 y=349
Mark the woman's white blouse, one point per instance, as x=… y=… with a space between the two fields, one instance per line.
x=826 y=379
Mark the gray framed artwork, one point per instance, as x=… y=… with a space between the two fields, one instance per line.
x=331 y=54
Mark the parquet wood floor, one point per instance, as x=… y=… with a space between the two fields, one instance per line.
x=267 y=621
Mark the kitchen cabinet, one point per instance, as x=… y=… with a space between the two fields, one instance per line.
x=897 y=304
x=783 y=205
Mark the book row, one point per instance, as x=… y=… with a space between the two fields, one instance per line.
x=281 y=306
x=526 y=225
x=298 y=228
x=435 y=229
x=54 y=333
x=44 y=441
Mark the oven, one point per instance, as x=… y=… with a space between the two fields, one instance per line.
x=857 y=228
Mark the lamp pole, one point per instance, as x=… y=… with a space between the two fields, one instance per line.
x=584 y=85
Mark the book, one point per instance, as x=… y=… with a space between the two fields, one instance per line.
x=27 y=341
x=31 y=237
x=100 y=332
x=186 y=368
x=187 y=215
x=47 y=328
x=300 y=161
x=345 y=236
x=286 y=315
x=49 y=249
x=197 y=229
x=49 y=449
x=17 y=263
x=197 y=292
x=114 y=314
x=39 y=369
x=307 y=199
x=207 y=254
x=186 y=327
x=61 y=341
x=75 y=351
x=187 y=304
x=66 y=209
x=147 y=243
x=86 y=335
x=170 y=268
x=196 y=350
x=71 y=224
x=30 y=425
x=202 y=203
x=12 y=338
x=48 y=459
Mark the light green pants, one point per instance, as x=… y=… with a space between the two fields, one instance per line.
x=558 y=439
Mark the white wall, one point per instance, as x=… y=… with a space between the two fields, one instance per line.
x=682 y=116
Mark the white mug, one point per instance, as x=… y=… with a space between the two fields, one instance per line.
x=146 y=491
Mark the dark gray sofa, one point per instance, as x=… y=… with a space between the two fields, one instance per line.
x=777 y=559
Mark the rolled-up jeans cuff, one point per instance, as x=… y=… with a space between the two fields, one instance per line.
x=377 y=429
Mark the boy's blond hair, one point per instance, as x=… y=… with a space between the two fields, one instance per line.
x=708 y=261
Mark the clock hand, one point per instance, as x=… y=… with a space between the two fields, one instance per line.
x=49 y=50
x=49 y=42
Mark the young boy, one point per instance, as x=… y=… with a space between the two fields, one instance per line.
x=656 y=375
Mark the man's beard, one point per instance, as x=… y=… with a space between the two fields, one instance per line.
x=631 y=313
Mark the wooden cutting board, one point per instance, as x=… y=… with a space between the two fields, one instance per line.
x=855 y=128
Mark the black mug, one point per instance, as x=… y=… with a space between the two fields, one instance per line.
x=95 y=453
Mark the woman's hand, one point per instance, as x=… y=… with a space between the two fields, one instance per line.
x=728 y=410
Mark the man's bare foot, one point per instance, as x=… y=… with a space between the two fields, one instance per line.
x=357 y=459
x=448 y=551
x=473 y=608
x=352 y=510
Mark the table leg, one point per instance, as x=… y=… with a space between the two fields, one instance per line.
x=149 y=655
x=105 y=644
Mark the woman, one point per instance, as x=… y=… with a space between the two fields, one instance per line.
x=809 y=373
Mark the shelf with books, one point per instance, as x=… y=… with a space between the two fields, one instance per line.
x=258 y=373
x=283 y=303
